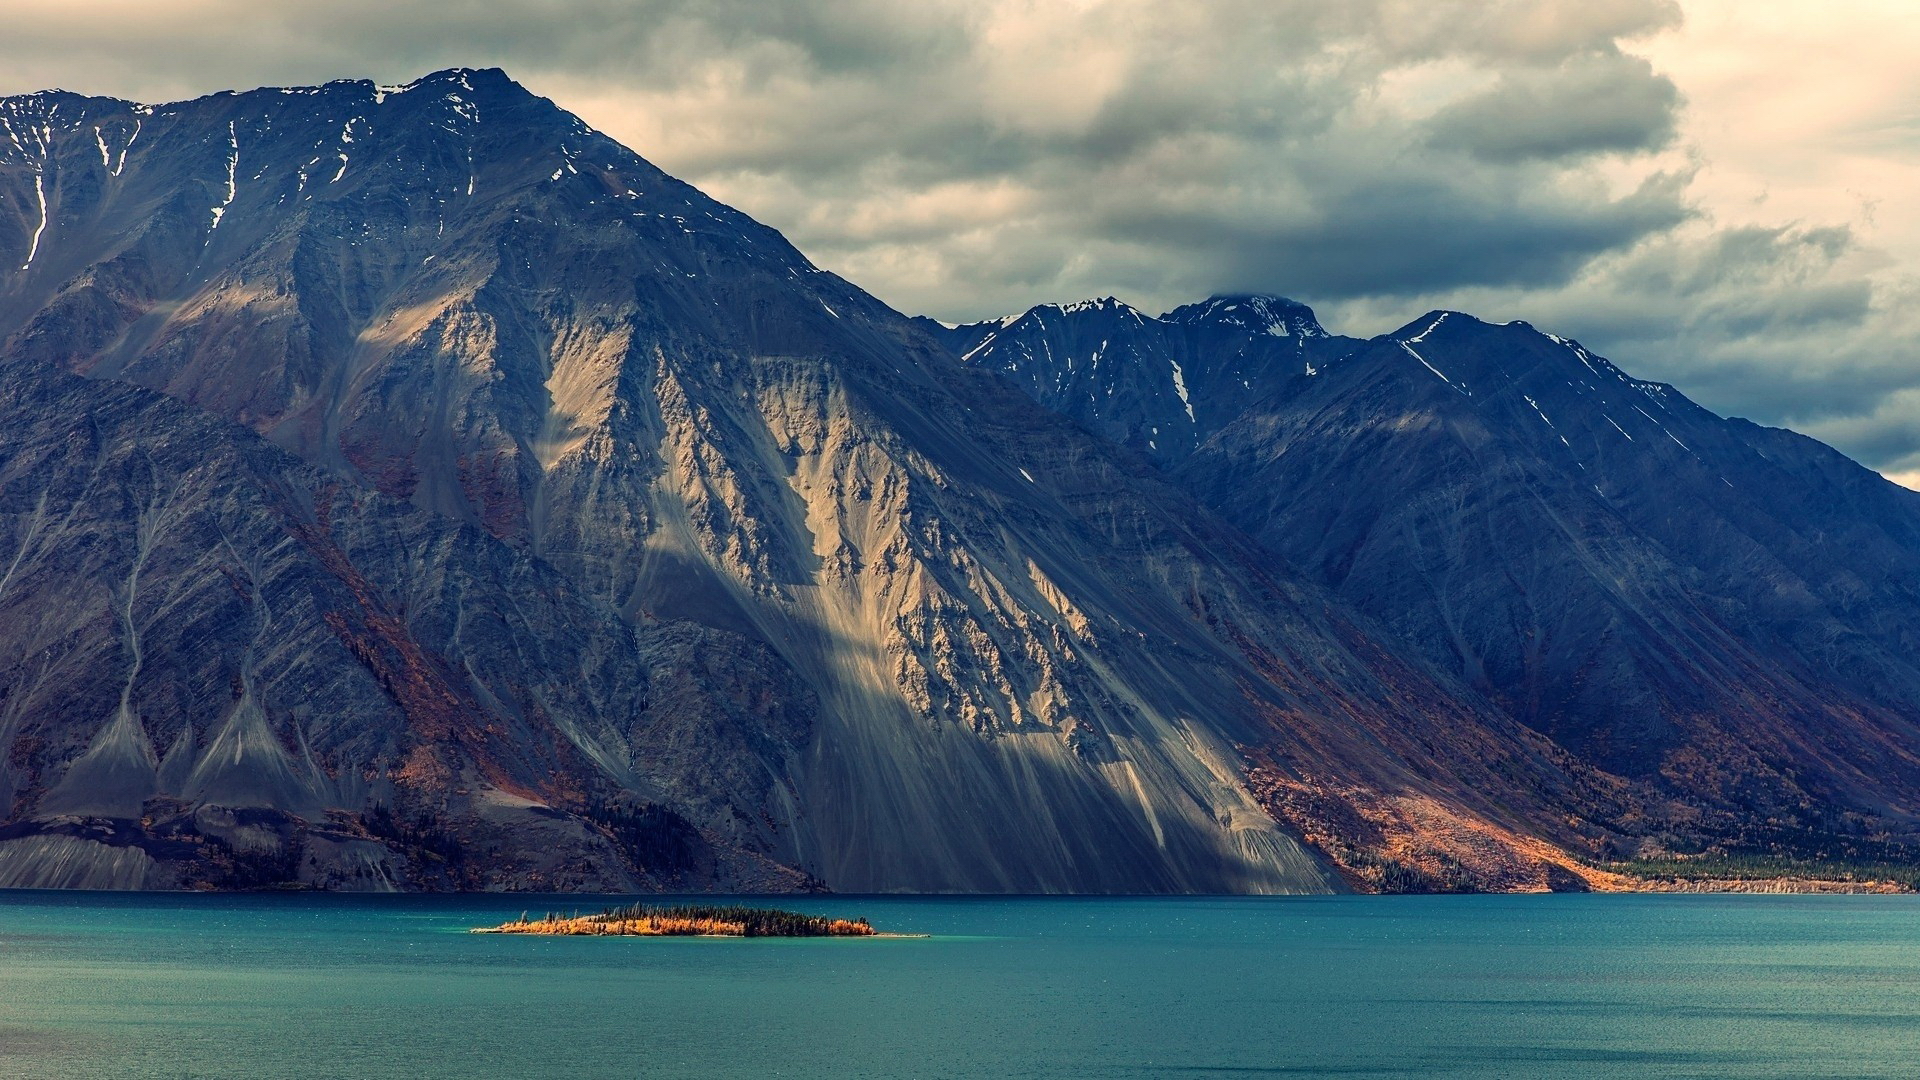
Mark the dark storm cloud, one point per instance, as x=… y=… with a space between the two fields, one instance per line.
x=1217 y=143
x=1784 y=325
x=1408 y=232
x=1596 y=103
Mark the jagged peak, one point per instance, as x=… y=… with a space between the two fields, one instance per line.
x=44 y=107
x=456 y=83
x=1426 y=325
x=1434 y=339
x=1254 y=312
x=490 y=80
x=1042 y=311
x=1105 y=303
x=52 y=94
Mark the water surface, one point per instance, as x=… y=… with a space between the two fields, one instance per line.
x=115 y=985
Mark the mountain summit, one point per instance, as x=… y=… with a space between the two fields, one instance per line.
x=1160 y=386
x=1274 y=316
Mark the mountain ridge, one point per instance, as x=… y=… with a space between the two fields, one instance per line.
x=985 y=653
x=608 y=543
x=1162 y=379
x=1511 y=506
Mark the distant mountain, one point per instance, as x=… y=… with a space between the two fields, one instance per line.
x=1726 y=612
x=1731 y=608
x=411 y=487
x=1159 y=386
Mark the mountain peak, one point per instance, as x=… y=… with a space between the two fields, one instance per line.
x=1105 y=303
x=1515 y=339
x=452 y=80
x=1257 y=313
x=1426 y=325
x=1477 y=356
x=461 y=84
x=482 y=82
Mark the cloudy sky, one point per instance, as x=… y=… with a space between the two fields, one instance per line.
x=1722 y=195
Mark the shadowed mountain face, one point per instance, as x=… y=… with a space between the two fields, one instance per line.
x=1726 y=612
x=411 y=487
x=1732 y=608
x=226 y=668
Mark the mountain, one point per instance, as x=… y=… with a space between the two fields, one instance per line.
x=1158 y=386
x=1724 y=612
x=411 y=487
x=224 y=669
x=1727 y=607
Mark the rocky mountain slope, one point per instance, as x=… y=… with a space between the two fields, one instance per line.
x=1733 y=609
x=224 y=668
x=1725 y=612
x=411 y=487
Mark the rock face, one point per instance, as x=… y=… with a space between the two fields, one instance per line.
x=410 y=487
x=1723 y=613
x=225 y=668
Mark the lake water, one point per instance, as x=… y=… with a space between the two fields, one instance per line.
x=112 y=985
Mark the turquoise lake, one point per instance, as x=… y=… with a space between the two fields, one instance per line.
x=155 y=985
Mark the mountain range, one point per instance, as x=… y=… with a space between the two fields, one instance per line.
x=409 y=487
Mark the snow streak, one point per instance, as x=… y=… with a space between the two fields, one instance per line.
x=122 y=163
x=1431 y=327
x=1180 y=387
x=233 y=167
x=1430 y=367
x=40 y=192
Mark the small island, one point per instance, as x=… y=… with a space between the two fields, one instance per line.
x=687 y=920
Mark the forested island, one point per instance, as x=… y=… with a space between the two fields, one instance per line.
x=687 y=920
